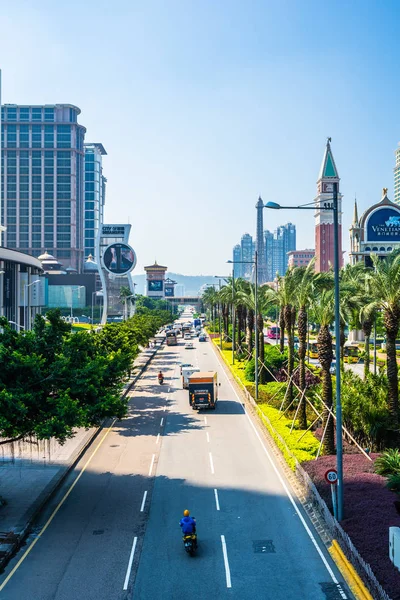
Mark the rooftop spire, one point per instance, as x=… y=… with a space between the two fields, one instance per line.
x=355 y=215
x=328 y=168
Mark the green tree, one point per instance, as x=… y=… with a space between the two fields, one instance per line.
x=384 y=285
x=324 y=312
x=53 y=381
x=304 y=291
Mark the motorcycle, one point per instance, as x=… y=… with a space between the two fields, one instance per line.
x=190 y=543
x=161 y=380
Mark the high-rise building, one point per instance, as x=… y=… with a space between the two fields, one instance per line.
x=94 y=196
x=247 y=247
x=260 y=244
x=237 y=257
x=324 y=227
x=277 y=246
x=397 y=176
x=42 y=178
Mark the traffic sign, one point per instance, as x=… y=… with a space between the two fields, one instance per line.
x=331 y=476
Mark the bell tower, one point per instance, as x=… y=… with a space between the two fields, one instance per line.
x=324 y=228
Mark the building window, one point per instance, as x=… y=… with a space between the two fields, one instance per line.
x=49 y=114
x=49 y=136
x=36 y=114
x=24 y=114
x=24 y=136
x=11 y=136
x=63 y=136
x=36 y=136
x=12 y=113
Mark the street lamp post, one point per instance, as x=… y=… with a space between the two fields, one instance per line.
x=97 y=293
x=339 y=436
x=26 y=319
x=78 y=287
x=126 y=305
x=219 y=313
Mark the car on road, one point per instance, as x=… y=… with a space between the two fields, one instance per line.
x=184 y=365
x=187 y=336
x=189 y=346
x=202 y=337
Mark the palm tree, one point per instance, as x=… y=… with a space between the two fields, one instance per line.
x=324 y=311
x=231 y=295
x=285 y=298
x=211 y=300
x=303 y=294
x=351 y=298
x=384 y=285
x=265 y=300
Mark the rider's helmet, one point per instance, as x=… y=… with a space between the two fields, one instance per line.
x=186 y=513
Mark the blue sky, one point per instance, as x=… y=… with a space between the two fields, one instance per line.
x=202 y=106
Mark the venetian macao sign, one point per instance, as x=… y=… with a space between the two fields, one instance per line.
x=384 y=225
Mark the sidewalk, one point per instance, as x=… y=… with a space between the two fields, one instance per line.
x=31 y=472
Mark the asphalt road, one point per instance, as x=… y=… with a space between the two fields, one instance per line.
x=116 y=534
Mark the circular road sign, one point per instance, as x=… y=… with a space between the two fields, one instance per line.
x=331 y=476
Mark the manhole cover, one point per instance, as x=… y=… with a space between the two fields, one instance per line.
x=98 y=532
x=263 y=547
x=331 y=591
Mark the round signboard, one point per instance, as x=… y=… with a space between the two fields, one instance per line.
x=331 y=476
x=119 y=259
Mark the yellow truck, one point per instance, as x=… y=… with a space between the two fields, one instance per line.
x=203 y=390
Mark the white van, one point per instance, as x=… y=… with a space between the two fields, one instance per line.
x=186 y=373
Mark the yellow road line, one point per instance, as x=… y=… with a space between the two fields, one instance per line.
x=349 y=573
x=53 y=514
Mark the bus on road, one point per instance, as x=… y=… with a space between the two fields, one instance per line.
x=351 y=354
x=312 y=349
x=171 y=337
x=273 y=333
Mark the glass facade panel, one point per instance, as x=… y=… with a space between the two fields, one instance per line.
x=36 y=136
x=63 y=136
x=24 y=114
x=24 y=136
x=36 y=114
x=49 y=136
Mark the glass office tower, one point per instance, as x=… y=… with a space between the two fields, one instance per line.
x=42 y=180
x=95 y=195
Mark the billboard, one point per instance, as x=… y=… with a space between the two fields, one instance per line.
x=169 y=291
x=119 y=259
x=384 y=225
x=155 y=285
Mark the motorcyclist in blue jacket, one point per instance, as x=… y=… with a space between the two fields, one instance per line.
x=188 y=524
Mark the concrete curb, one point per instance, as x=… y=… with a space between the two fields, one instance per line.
x=349 y=573
x=13 y=541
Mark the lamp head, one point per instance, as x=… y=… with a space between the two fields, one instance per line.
x=274 y=205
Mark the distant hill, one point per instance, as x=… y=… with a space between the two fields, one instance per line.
x=192 y=283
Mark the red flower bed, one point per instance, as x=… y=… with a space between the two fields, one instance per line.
x=369 y=509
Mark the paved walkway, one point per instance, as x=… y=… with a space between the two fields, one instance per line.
x=30 y=472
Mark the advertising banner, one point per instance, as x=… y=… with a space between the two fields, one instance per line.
x=119 y=259
x=169 y=291
x=155 y=285
x=384 y=225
